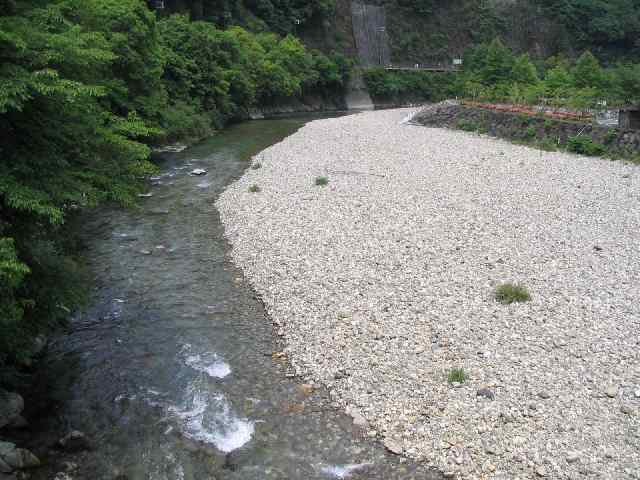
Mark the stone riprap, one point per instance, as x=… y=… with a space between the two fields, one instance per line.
x=383 y=281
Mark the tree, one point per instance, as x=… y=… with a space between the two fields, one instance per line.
x=62 y=149
x=498 y=64
x=587 y=71
x=524 y=71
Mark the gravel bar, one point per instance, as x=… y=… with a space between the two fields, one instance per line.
x=383 y=281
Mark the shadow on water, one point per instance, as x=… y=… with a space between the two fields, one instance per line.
x=169 y=371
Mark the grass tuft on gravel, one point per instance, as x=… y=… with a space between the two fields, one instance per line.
x=457 y=375
x=509 y=293
x=321 y=181
x=254 y=188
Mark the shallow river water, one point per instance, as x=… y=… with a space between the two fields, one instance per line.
x=169 y=371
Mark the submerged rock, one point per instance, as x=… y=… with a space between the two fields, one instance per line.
x=175 y=148
x=11 y=406
x=4 y=467
x=74 y=441
x=393 y=446
x=18 y=423
x=198 y=171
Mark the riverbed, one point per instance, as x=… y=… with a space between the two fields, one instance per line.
x=173 y=370
x=379 y=248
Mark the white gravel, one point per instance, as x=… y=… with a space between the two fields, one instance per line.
x=383 y=280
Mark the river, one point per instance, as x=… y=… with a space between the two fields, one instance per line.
x=170 y=370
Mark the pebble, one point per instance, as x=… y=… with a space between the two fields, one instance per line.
x=611 y=391
x=358 y=418
x=486 y=393
x=393 y=446
x=626 y=409
x=573 y=457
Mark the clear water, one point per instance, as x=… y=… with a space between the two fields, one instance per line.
x=169 y=371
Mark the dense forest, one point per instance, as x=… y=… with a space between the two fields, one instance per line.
x=434 y=30
x=437 y=30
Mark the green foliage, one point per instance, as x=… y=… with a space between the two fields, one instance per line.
x=547 y=144
x=611 y=136
x=321 y=181
x=523 y=71
x=584 y=145
x=75 y=77
x=582 y=86
x=457 y=375
x=508 y=293
x=281 y=16
x=254 y=188
x=225 y=73
x=468 y=125
x=587 y=72
x=530 y=132
x=391 y=84
x=598 y=23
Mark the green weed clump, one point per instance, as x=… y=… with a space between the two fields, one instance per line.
x=585 y=146
x=468 y=125
x=548 y=144
x=611 y=136
x=530 y=132
x=457 y=375
x=509 y=293
x=254 y=188
x=321 y=181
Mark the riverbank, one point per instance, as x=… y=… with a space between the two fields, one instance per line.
x=382 y=281
x=540 y=131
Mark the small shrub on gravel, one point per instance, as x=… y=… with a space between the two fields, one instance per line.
x=254 y=188
x=530 y=132
x=611 y=136
x=457 y=375
x=468 y=125
x=548 y=144
x=322 y=181
x=509 y=293
x=585 y=146
x=256 y=166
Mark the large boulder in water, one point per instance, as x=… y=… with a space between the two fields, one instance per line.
x=11 y=406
